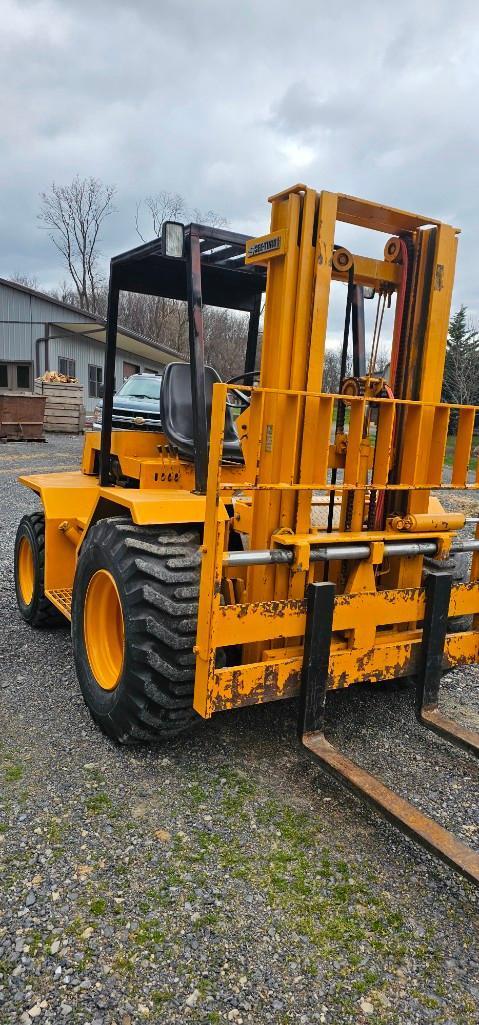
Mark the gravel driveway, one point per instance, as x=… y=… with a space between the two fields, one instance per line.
x=220 y=877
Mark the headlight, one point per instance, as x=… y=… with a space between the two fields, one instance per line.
x=97 y=415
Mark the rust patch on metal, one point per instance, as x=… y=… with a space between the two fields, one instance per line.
x=267 y=690
x=272 y=609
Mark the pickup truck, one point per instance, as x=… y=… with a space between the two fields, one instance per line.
x=136 y=406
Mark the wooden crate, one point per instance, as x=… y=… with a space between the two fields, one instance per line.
x=64 y=412
x=22 y=417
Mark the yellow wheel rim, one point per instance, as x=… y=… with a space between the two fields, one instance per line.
x=104 y=629
x=26 y=570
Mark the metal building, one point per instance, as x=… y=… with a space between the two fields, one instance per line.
x=38 y=333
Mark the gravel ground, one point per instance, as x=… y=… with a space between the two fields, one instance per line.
x=220 y=877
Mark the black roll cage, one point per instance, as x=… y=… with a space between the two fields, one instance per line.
x=212 y=270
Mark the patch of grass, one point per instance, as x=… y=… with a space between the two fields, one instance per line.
x=98 y=906
x=161 y=996
x=343 y=914
x=35 y=942
x=121 y=870
x=55 y=831
x=98 y=803
x=76 y=926
x=450 y=450
x=95 y=775
x=13 y=772
x=124 y=964
x=236 y=791
x=149 y=934
x=197 y=795
x=365 y=983
x=425 y=1000
x=85 y=960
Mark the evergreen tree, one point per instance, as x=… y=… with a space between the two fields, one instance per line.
x=461 y=371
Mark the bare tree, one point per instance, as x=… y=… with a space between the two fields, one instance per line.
x=165 y=206
x=209 y=217
x=331 y=371
x=166 y=320
x=27 y=280
x=226 y=333
x=65 y=293
x=153 y=211
x=74 y=215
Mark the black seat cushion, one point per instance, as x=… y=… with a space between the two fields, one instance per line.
x=177 y=412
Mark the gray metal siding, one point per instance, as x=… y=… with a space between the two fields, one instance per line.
x=86 y=351
x=131 y=357
x=17 y=340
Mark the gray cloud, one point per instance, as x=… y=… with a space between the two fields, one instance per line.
x=227 y=103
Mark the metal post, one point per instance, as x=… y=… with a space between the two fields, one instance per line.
x=359 y=332
x=340 y=408
x=109 y=382
x=428 y=681
x=197 y=360
x=438 y=595
x=252 y=342
x=317 y=644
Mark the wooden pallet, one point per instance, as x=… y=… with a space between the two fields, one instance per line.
x=64 y=412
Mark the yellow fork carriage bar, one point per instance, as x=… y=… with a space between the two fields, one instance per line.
x=369 y=634
x=380 y=642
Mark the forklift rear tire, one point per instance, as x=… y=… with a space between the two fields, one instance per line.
x=134 y=619
x=29 y=573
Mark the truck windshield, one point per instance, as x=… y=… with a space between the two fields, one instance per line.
x=141 y=387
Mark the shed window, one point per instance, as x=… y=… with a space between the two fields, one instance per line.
x=66 y=366
x=23 y=375
x=95 y=381
x=16 y=376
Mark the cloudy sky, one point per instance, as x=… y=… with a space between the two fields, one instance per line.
x=228 y=102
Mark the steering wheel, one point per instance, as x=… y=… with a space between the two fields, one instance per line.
x=244 y=398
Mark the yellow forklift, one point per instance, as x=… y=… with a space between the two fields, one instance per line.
x=297 y=547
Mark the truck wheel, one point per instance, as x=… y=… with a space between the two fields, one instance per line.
x=29 y=570
x=134 y=618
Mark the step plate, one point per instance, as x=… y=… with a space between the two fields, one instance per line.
x=62 y=599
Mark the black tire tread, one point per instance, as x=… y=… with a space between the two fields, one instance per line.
x=152 y=565
x=45 y=615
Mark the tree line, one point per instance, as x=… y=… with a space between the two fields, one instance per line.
x=74 y=216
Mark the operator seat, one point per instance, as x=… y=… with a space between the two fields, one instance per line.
x=176 y=412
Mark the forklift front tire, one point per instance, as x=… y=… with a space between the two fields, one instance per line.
x=134 y=618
